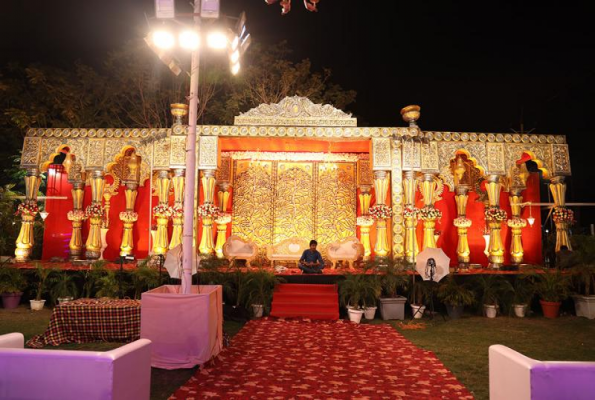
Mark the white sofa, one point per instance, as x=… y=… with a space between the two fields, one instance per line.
x=120 y=374
x=236 y=248
x=349 y=249
x=516 y=377
x=287 y=250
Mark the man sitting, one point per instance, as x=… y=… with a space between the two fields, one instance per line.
x=311 y=261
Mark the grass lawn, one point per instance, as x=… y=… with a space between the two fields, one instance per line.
x=462 y=345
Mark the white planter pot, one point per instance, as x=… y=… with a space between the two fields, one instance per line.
x=37 y=305
x=62 y=300
x=257 y=310
x=585 y=306
x=369 y=312
x=417 y=311
x=490 y=311
x=355 y=315
x=520 y=310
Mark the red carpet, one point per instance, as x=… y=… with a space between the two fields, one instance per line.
x=276 y=358
x=305 y=300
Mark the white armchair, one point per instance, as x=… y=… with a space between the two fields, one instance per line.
x=236 y=248
x=349 y=249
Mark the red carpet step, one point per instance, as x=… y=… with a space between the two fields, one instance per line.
x=294 y=300
x=297 y=359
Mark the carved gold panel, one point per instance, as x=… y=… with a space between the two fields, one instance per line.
x=31 y=152
x=223 y=173
x=429 y=157
x=364 y=173
x=178 y=151
x=411 y=155
x=161 y=154
x=381 y=154
x=207 y=152
x=398 y=238
x=561 y=160
x=95 y=156
x=496 y=164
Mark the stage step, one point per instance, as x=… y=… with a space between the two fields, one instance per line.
x=306 y=301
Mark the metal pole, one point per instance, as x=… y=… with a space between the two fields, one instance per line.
x=188 y=231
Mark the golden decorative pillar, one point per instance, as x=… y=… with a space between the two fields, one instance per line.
x=381 y=182
x=494 y=216
x=224 y=219
x=410 y=214
x=494 y=187
x=429 y=214
x=381 y=249
x=207 y=180
x=77 y=216
x=129 y=217
x=496 y=247
x=364 y=198
x=462 y=223
x=95 y=213
x=365 y=222
x=381 y=179
x=562 y=216
x=162 y=213
x=516 y=224
x=177 y=210
x=27 y=210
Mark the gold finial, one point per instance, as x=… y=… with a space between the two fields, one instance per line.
x=411 y=114
x=459 y=170
x=179 y=110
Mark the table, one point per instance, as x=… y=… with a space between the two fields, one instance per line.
x=91 y=320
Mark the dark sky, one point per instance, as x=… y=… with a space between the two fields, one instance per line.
x=472 y=66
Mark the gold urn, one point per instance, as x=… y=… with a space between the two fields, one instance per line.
x=411 y=113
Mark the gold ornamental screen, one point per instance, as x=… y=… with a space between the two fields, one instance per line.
x=277 y=200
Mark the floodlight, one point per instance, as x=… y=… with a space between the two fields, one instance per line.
x=163 y=39
x=189 y=40
x=217 y=40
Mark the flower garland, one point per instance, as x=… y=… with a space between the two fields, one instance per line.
x=27 y=209
x=410 y=212
x=380 y=211
x=177 y=211
x=76 y=215
x=128 y=216
x=429 y=213
x=162 y=210
x=223 y=219
x=208 y=210
x=462 y=222
x=517 y=222
x=495 y=214
x=563 y=214
x=95 y=211
x=364 y=220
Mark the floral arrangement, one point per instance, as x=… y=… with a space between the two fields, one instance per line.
x=429 y=213
x=162 y=210
x=208 y=210
x=223 y=219
x=410 y=212
x=563 y=214
x=364 y=220
x=76 y=215
x=517 y=222
x=177 y=211
x=95 y=211
x=128 y=216
x=462 y=222
x=27 y=209
x=380 y=211
x=495 y=214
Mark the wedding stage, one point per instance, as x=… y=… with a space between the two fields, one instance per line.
x=319 y=359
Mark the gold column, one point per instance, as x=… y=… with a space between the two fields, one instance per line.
x=494 y=187
x=162 y=213
x=496 y=247
x=462 y=224
x=77 y=216
x=177 y=210
x=364 y=198
x=365 y=222
x=206 y=245
x=28 y=210
x=381 y=249
x=516 y=224
x=381 y=179
x=429 y=213
x=223 y=220
x=410 y=214
x=558 y=189
x=95 y=214
x=129 y=217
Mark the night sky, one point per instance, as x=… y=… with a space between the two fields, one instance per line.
x=475 y=67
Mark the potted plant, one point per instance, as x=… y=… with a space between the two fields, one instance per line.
x=258 y=292
x=92 y=277
x=583 y=275
x=12 y=283
x=353 y=291
x=493 y=289
x=370 y=295
x=42 y=277
x=552 y=287
x=455 y=297
x=63 y=288
x=144 y=277
x=523 y=291
x=418 y=296
x=392 y=305
x=109 y=285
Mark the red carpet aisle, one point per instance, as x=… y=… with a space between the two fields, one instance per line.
x=272 y=358
x=305 y=301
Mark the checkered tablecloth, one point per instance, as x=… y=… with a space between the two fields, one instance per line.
x=91 y=320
